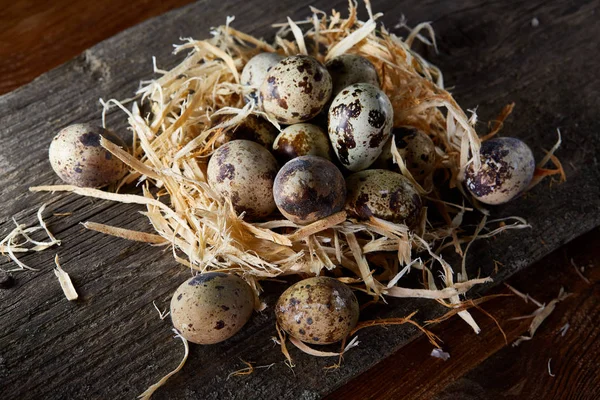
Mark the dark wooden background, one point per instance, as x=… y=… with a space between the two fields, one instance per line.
x=111 y=344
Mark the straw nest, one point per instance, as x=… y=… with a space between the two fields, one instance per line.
x=177 y=118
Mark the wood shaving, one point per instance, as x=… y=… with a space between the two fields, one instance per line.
x=18 y=239
x=579 y=273
x=549 y=370
x=65 y=282
x=543 y=312
x=318 y=353
x=248 y=370
x=161 y=314
x=564 y=329
x=125 y=233
x=150 y=391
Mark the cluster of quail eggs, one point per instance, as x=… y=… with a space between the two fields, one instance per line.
x=333 y=153
x=336 y=127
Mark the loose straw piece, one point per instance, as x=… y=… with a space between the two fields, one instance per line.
x=18 y=238
x=125 y=233
x=318 y=226
x=318 y=353
x=150 y=391
x=542 y=313
x=128 y=159
x=298 y=36
x=122 y=198
x=65 y=281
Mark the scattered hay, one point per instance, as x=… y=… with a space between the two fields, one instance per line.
x=177 y=118
x=19 y=238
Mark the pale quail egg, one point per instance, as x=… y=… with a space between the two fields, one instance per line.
x=255 y=71
x=384 y=194
x=243 y=172
x=416 y=149
x=296 y=89
x=318 y=310
x=211 y=307
x=360 y=123
x=348 y=69
x=309 y=188
x=78 y=159
x=301 y=140
x=507 y=167
x=253 y=128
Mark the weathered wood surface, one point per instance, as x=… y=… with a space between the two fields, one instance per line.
x=111 y=344
x=37 y=36
x=487 y=367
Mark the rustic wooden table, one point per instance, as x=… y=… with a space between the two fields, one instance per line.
x=55 y=342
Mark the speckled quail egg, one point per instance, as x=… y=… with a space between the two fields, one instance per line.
x=360 y=123
x=507 y=167
x=296 y=89
x=211 y=307
x=348 y=69
x=255 y=71
x=384 y=194
x=416 y=149
x=301 y=140
x=318 y=310
x=253 y=128
x=309 y=188
x=243 y=172
x=78 y=159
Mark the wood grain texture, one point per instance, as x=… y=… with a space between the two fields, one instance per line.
x=485 y=367
x=37 y=36
x=111 y=343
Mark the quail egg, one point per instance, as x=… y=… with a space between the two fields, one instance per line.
x=416 y=149
x=301 y=140
x=318 y=310
x=348 y=69
x=384 y=194
x=309 y=188
x=507 y=167
x=255 y=71
x=253 y=128
x=78 y=159
x=296 y=89
x=211 y=307
x=360 y=123
x=243 y=172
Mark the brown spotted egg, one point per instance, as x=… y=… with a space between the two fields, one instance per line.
x=78 y=159
x=211 y=307
x=253 y=128
x=296 y=89
x=384 y=194
x=318 y=310
x=301 y=140
x=507 y=167
x=255 y=71
x=416 y=149
x=348 y=69
x=360 y=123
x=309 y=188
x=243 y=172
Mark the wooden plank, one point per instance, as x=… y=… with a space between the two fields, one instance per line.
x=485 y=366
x=54 y=349
x=38 y=38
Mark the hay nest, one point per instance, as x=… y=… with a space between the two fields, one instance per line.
x=175 y=136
